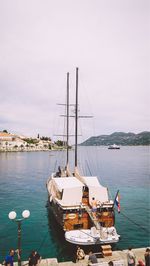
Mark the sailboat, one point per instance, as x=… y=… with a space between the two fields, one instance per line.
x=70 y=195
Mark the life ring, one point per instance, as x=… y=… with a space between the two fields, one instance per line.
x=105 y=214
x=71 y=216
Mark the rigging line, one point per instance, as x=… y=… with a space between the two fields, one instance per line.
x=88 y=167
x=137 y=208
x=101 y=178
x=55 y=165
x=49 y=162
x=134 y=222
x=43 y=241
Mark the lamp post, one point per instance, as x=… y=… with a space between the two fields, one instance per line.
x=12 y=216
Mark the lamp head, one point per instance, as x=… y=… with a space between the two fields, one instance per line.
x=25 y=214
x=12 y=215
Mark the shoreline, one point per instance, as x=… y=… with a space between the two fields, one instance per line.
x=119 y=258
x=60 y=149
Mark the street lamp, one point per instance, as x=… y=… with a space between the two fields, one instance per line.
x=12 y=216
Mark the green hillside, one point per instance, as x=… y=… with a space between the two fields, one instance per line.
x=119 y=138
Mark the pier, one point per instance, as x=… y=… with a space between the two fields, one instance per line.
x=118 y=257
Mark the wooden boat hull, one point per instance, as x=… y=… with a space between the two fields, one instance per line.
x=77 y=218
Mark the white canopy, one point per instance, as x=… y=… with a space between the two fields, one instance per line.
x=71 y=189
x=96 y=190
x=67 y=182
x=68 y=191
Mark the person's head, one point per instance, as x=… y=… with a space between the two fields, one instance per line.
x=12 y=252
x=129 y=248
x=33 y=252
x=110 y=263
x=147 y=250
x=140 y=262
x=90 y=253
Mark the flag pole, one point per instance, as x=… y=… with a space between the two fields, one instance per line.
x=115 y=197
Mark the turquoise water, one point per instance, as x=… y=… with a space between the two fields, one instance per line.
x=23 y=178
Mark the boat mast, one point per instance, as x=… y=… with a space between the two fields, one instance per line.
x=77 y=174
x=76 y=119
x=67 y=163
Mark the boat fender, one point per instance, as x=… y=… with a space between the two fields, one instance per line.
x=50 y=199
x=113 y=232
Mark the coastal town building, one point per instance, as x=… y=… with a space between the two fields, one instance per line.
x=13 y=142
x=10 y=141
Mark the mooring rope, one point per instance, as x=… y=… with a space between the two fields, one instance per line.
x=143 y=228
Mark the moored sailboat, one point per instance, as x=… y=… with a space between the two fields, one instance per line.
x=70 y=199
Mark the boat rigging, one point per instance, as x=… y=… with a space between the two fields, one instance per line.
x=70 y=195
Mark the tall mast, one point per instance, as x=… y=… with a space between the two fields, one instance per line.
x=67 y=119
x=77 y=174
x=76 y=118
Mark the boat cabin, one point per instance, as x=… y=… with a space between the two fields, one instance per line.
x=70 y=199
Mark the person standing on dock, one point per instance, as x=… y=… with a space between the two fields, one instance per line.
x=34 y=258
x=110 y=263
x=140 y=263
x=92 y=258
x=131 y=257
x=9 y=259
x=80 y=254
x=147 y=257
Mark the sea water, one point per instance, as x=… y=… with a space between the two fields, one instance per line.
x=23 y=177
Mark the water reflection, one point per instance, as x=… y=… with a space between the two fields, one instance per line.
x=65 y=251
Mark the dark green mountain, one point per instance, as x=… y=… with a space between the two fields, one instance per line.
x=119 y=138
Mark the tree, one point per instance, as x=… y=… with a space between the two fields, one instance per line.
x=45 y=138
x=59 y=143
x=31 y=141
x=5 y=131
x=45 y=146
x=6 y=143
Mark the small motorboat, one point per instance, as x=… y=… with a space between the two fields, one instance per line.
x=114 y=147
x=105 y=235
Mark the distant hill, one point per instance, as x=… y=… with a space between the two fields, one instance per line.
x=119 y=138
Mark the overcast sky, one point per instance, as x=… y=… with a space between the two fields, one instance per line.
x=40 y=41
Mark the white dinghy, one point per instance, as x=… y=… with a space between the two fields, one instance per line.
x=93 y=236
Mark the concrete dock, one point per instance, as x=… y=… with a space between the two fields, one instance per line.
x=118 y=257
